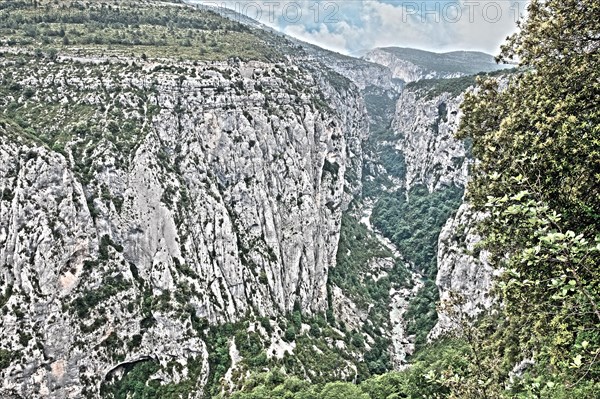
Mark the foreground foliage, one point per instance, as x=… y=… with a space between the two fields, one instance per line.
x=538 y=143
x=417 y=382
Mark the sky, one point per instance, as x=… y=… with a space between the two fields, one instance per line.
x=356 y=26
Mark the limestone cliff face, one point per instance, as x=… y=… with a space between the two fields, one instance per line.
x=227 y=202
x=412 y=65
x=425 y=128
x=405 y=69
x=362 y=73
x=464 y=275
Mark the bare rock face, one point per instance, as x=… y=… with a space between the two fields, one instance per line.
x=404 y=69
x=426 y=125
x=226 y=202
x=426 y=128
x=464 y=275
x=362 y=73
x=346 y=310
x=412 y=65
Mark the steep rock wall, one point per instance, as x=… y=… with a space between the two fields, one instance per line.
x=425 y=128
x=406 y=70
x=464 y=275
x=226 y=203
x=426 y=125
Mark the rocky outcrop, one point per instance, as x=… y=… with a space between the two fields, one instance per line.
x=403 y=69
x=412 y=65
x=464 y=275
x=202 y=199
x=425 y=128
x=362 y=73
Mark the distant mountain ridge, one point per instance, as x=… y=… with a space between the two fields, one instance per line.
x=384 y=67
x=412 y=65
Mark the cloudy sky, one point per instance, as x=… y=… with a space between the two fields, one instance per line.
x=353 y=26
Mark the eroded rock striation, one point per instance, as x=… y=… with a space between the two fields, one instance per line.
x=226 y=202
x=426 y=128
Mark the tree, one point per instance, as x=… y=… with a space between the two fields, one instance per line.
x=537 y=142
x=342 y=390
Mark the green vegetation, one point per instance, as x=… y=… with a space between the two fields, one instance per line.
x=413 y=224
x=146 y=30
x=75 y=125
x=357 y=250
x=421 y=314
x=331 y=167
x=451 y=368
x=138 y=382
x=6 y=358
x=316 y=355
x=134 y=383
x=431 y=88
x=323 y=364
x=6 y=294
x=538 y=179
x=89 y=299
x=219 y=359
x=420 y=381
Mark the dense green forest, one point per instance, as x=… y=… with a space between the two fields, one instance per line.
x=413 y=221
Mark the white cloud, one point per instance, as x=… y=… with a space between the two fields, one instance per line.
x=323 y=36
x=354 y=26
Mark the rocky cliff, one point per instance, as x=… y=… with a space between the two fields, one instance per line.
x=425 y=127
x=362 y=73
x=464 y=276
x=412 y=65
x=187 y=192
x=426 y=120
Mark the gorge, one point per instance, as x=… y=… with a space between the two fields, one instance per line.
x=187 y=201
